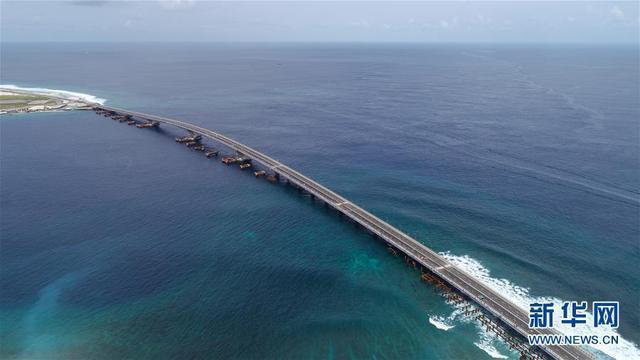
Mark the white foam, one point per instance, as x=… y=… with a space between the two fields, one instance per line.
x=521 y=297
x=70 y=95
x=486 y=344
x=487 y=339
x=440 y=323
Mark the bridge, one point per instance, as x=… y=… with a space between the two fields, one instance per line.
x=497 y=305
x=502 y=308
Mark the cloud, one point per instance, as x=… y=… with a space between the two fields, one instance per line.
x=90 y=2
x=616 y=13
x=448 y=24
x=176 y=4
x=482 y=19
x=360 y=23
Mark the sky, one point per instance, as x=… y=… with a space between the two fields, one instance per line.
x=321 y=21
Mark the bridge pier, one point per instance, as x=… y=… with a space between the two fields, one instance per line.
x=445 y=275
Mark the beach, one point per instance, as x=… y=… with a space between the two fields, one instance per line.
x=15 y=100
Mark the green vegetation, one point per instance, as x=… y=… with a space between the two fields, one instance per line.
x=24 y=98
x=18 y=102
x=13 y=106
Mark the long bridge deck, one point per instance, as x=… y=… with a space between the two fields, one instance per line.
x=500 y=307
x=505 y=310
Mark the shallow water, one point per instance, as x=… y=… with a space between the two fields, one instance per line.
x=520 y=163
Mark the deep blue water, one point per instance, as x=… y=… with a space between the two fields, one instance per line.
x=119 y=243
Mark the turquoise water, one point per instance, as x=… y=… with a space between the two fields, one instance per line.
x=521 y=163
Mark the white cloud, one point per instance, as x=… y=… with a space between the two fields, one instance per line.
x=176 y=4
x=482 y=19
x=616 y=13
x=428 y=24
x=360 y=23
x=447 y=24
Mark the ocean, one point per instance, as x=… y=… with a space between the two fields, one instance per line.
x=519 y=163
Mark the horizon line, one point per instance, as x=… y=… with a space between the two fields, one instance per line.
x=231 y=42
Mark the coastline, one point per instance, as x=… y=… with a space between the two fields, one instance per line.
x=17 y=100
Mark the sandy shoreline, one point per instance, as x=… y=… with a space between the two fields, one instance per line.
x=24 y=101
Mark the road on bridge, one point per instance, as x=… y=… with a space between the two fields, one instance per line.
x=505 y=310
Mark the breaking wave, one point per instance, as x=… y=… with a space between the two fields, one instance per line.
x=486 y=344
x=521 y=297
x=60 y=93
x=487 y=341
x=440 y=323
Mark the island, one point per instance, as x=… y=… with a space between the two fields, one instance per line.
x=14 y=102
